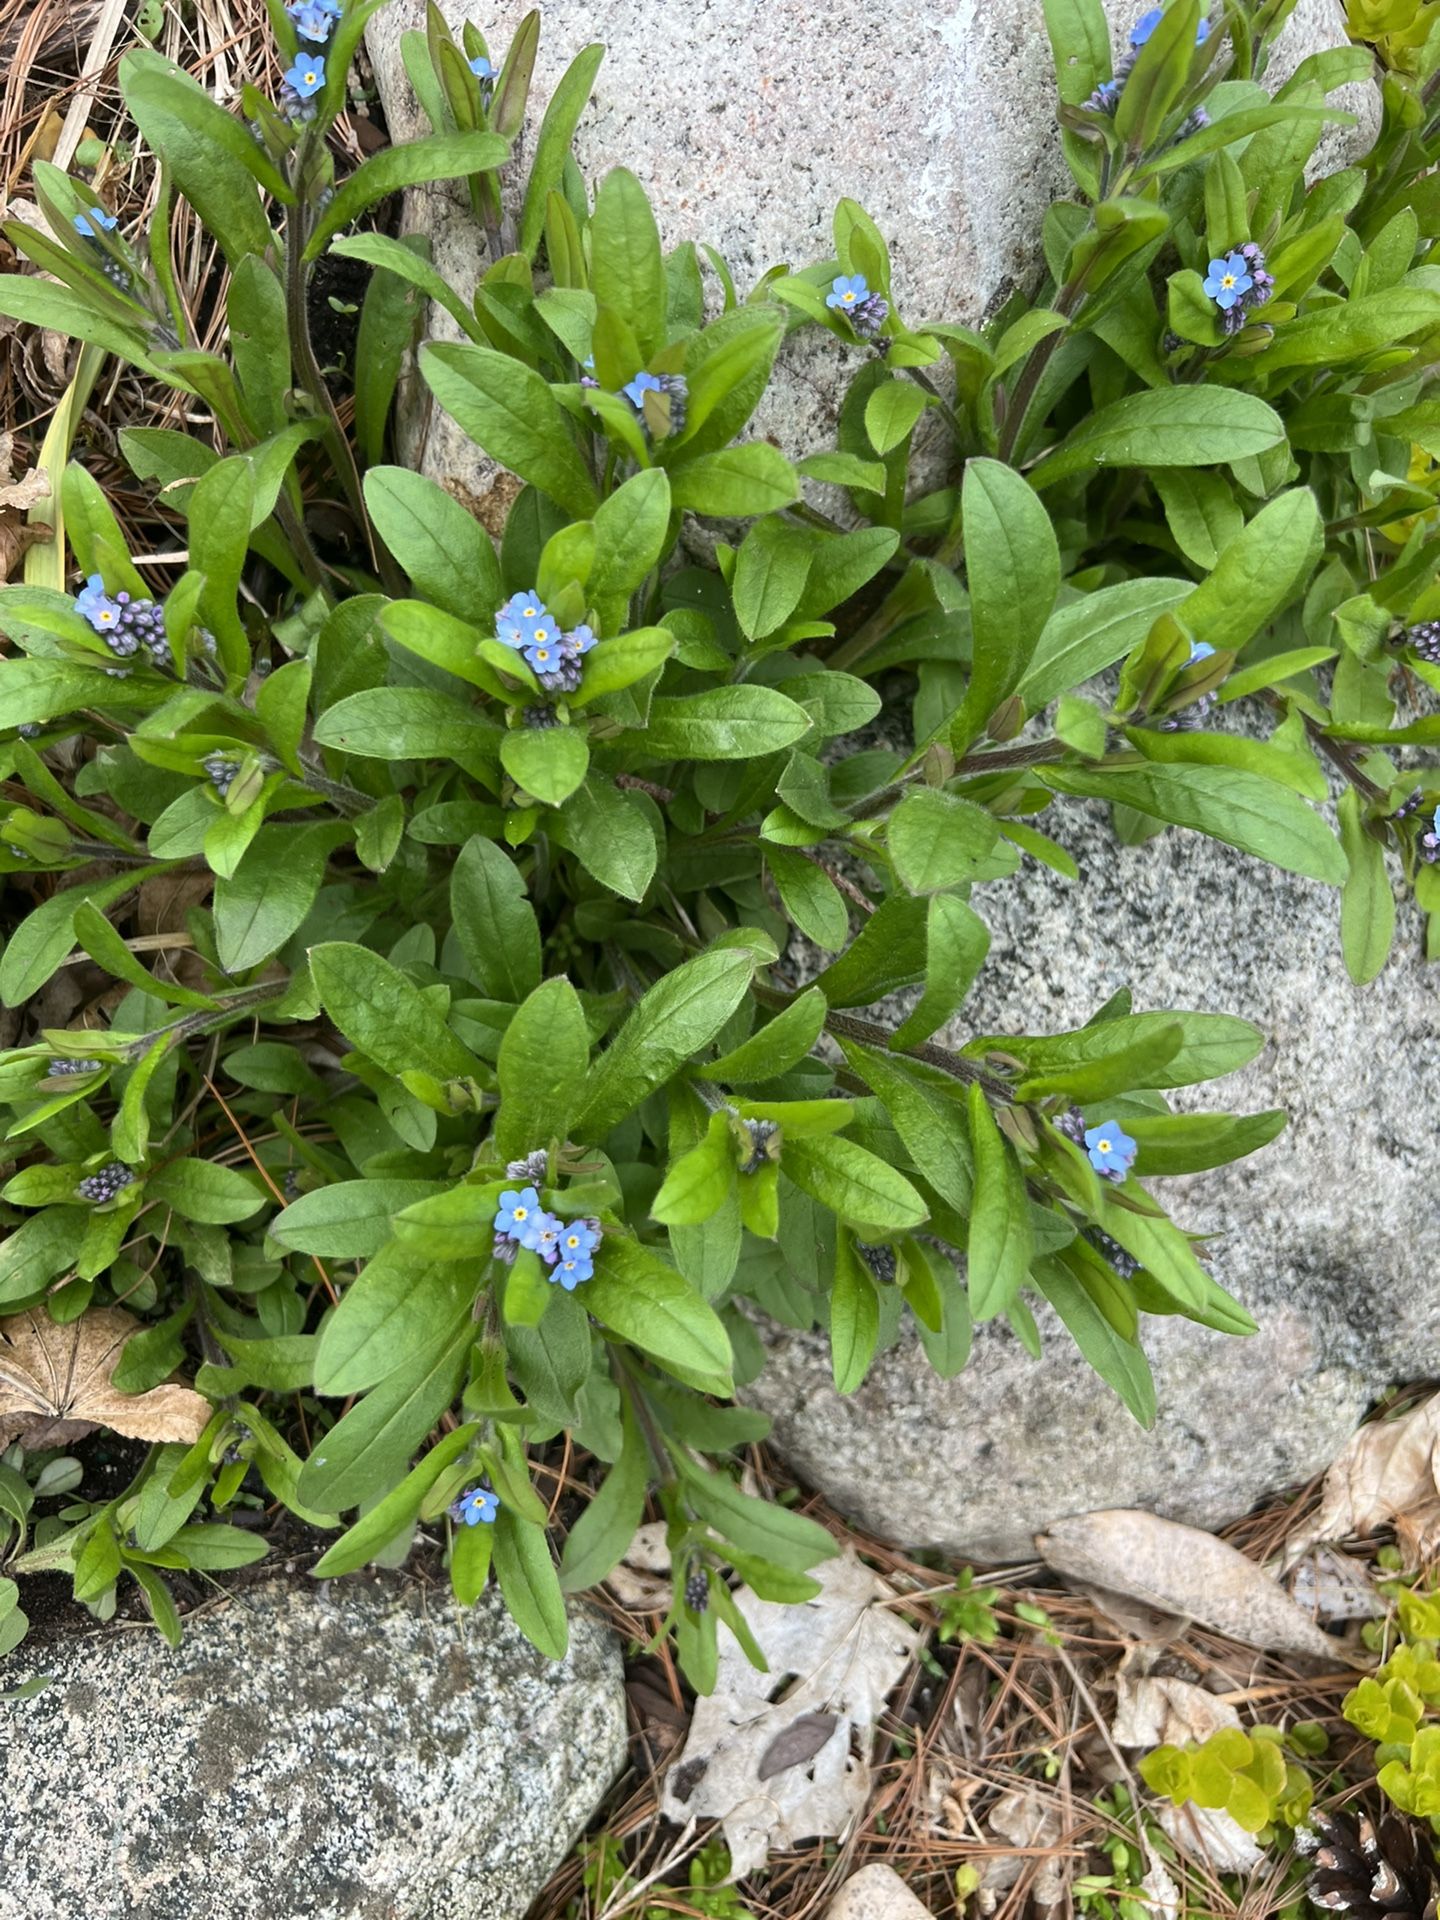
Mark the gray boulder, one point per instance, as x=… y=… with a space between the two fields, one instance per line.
x=366 y=1751
x=747 y=123
x=1331 y=1236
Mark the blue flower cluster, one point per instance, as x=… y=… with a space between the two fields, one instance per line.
x=525 y=623
x=1238 y=283
x=101 y=1188
x=126 y=624
x=1106 y=97
x=486 y=74
x=1429 y=841
x=566 y=1247
x=673 y=384
x=314 y=22
x=867 y=312
x=1425 y=639
x=93 y=222
x=477 y=1506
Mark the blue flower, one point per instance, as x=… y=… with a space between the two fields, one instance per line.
x=1228 y=279
x=306 y=76
x=313 y=19
x=579 y=1240
x=524 y=620
x=635 y=390
x=94 y=605
x=578 y=640
x=847 y=291
x=1111 y=1150
x=570 y=1272
x=1199 y=650
x=476 y=1506
x=542 y=655
x=542 y=1236
x=481 y=68
x=1149 y=20
x=516 y=1212
x=99 y=217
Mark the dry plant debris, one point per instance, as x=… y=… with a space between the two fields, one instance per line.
x=780 y=1757
x=56 y=1384
x=1181 y=1570
x=1386 y=1476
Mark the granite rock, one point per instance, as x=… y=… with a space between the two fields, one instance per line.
x=876 y=1893
x=1331 y=1236
x=362 y=1751
x=747 y=120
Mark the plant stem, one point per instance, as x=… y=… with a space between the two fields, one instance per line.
x=845 y=1026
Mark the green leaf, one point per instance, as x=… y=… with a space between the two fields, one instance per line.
x=891 y=414
x=810 y=897
x=626 y=269
x=856 y=1185
x=931 y=1125
x=770 y=575
x=1329 y=336
x=752 y=479
x=552 y=145
x=1166 y=427
x=399 y=1304
x=1120 y=1363
x=756 y=1526
x=854 y=1317
x=369 y=1448
x=509 y=410
x=1260 y=571
x=956 y=943
x=637 y=1296
x=1367 y=905
x=444 y=550
x=1001 y=1245
x=1012 y=563
x=271 y=892
x=396 y=1512
x=1196 y=1047
x=201 y=1190
x=777 y=1046
x=530 y=1585
x=676 y=1018
x=349 y=1220
x=700 y=1181
x=1242 y=809
x=1193 y=1142
x=548 y=763
x=494 y=921
x=437 y=156
x=610 y=835
x=542 y=1064
x=384 y=1014
x=1161 y=70
x=601 y=1537
x=631 y=530
x=208 y=152
x=398 y=723
x=722 y=723
x=888 y=953
x=937 y=839
x=32 y=1254
x=219 y=517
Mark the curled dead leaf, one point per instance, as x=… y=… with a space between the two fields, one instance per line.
x=1158 y=1710
x=1386 y=1476
x=642 y=1581
x=56 y=1384
x=1182 y=1570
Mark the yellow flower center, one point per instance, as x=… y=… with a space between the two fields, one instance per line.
x=1104 y=1146
x=310 y=78
x=522 y=1213
x=1227 y=280
x=530 y=612
x=541 y=637
x=847 y=296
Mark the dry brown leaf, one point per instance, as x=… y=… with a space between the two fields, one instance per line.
x=1158 y=1710
x=839 y=1654
x=1328 y=1585
x=1386 y=1476
x=16 y=499
x=1027 y=1820
x=55 y=1384
x=1182 y=1570
x=642 y=1579
x=1209 y=1834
